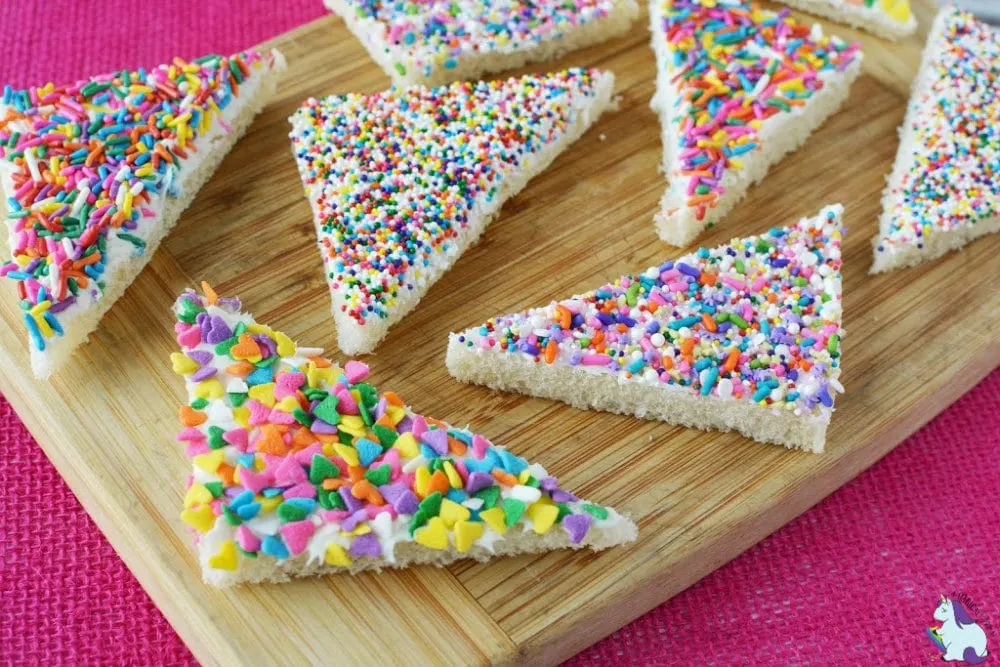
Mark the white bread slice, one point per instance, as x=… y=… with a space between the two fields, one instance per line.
x=940 y=196
x=697 y=341
x=543 y=115
x=493 y=37
x=123 y=260
x=302 y=468
x=891 y=19
x=679 y=221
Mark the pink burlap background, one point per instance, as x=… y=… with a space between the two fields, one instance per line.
x=853 y=581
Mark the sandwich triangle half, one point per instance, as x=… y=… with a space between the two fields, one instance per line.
x=944 y=190
x=743 y=337
x=301 y=467
x=96 y=173
x=738 y=88
x=403 y=181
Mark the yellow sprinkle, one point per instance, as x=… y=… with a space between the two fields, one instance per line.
x=286 y=347
x=453 y=477
x=495 y=519
x=226 y=559
x=197 y=494
x=434 y=535
x=269 y=504
x=452 y=512
x=407 y=445
x=337 y=555
x=288 y=404
x=183 y=364
x=362 y=529
x=422 y=481
x=542 y=517
x=466 y=534
x=210 y=388
x=201 y=519
x=524 y=476
x=210 y=462
x=242 y=416
x=347 y=453
x=263 y=393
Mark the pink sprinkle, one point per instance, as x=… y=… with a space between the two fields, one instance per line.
x=356 y=371
x=595 y=360
x=297 y=534
x=246 y=539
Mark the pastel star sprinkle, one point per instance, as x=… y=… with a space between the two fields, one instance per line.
x=301 y=467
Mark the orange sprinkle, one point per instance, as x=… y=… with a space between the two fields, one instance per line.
x=356 y=473
x=551 y=348
x=709 y=322
x=731 y=360
x=225 y=472
x=210 y=296
x=191 y=417
x=270 y=441
x=393 y=399
x=333 y=483
x=320 y=362
x=505 y=478
x=456 y=447
x=365 y=490
x=241 y=368
x=439 y=482
x=668 y=362
x=565 y=318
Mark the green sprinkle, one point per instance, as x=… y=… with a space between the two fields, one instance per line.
x=431 y=505
x=513 y=510
x=199 y=403
x=490 y=496
x=327 y=410
x=379 y=476
x=322 y=468
x=595 y=511
x=215 y=440
x=386 y=436
x=288 y=512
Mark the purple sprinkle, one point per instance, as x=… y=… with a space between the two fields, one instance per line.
x=380 y=408
x=436 y=440
x=405 y=425
x=577 y=526
x=688 y=270
x=478 y=481
x=353 y=504
x=320 y=426
x=560 y=496
x=62 y=305
x=200 y=357
x=548 y=483
x=203 y=373
x=366 y=545
x=351 y=522
x=217 y=332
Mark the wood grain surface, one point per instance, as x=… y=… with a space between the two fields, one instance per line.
x=916 y=340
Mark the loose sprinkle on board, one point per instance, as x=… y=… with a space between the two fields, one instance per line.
x=755 y=320
x=945 y=188
x=86 y=167
x=431 y=42
x=307 y=465
x=402 y=181
x=731 y=66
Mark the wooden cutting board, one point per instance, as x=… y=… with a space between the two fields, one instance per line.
x=917 y=339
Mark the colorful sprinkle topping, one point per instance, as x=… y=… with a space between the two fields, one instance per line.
x=85 y=168
x=733 y=66
x=428 y=38
x=295 y=456
x=952 y=179
x=394 y=177
x=757 y=320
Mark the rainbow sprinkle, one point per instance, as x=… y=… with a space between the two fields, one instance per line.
x=889 y=18
x=429 y=41
x=947 y=176
x=733 y=65
x=85 y=168
x=755 y=320
x=399 y=181
x=295 y=458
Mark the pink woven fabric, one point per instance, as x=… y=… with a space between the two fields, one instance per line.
x=853 y=581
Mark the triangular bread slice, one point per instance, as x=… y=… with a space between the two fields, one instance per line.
x=742 y=337
x=944 y=190
x=738 y=88
x=96 y=173
x=301 y=467
x=402 y=182
x=891 y=19
x=433 y=43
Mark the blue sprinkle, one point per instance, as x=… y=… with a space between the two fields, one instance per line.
x=368 y=451
x=247 y=511
x=512 y=463
x=273 y=546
